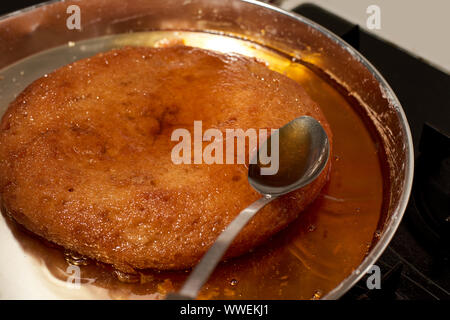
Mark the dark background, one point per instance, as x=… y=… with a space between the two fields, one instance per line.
x=8 y=6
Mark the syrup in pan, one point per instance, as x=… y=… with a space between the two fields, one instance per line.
x=304 y=261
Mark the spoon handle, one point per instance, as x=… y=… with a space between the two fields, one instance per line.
x=212 y=257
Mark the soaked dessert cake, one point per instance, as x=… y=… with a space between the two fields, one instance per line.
x=85 y=154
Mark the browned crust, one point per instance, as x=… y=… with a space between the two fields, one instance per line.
x=85 y=154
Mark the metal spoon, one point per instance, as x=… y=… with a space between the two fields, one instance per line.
x=303 y=153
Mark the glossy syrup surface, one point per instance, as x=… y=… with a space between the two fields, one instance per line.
x=306 y=260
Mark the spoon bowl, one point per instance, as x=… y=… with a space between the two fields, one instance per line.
x=303 y=151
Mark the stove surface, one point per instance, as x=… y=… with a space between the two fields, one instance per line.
x=416 y=263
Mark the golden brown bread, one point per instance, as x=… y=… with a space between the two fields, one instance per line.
x=85 y=154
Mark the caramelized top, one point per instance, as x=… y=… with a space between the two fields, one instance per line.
x=85 y=154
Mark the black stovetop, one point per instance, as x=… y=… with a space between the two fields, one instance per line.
x=416 y=263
